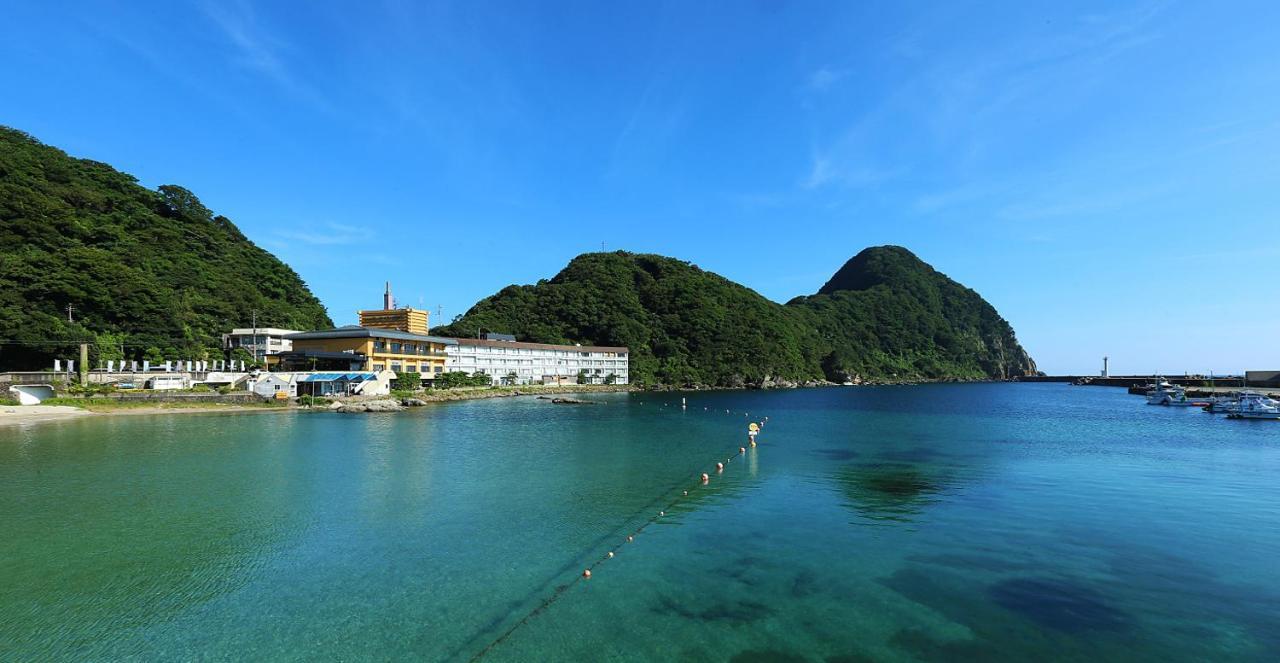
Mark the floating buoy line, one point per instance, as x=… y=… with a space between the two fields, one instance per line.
x=701 y=478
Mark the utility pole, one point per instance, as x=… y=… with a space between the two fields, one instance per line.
x=84 y=363
x=70 y=308
x=255 y=335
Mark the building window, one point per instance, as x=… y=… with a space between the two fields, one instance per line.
x=379 y=346
x=395 y=347
x=410 y=369
x=378 y=367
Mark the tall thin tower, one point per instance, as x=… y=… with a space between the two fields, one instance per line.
x=1106 y=371
x=388 y=303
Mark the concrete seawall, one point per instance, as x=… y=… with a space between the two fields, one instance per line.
x=162 y=396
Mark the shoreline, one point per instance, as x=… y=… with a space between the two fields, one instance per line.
x=12 y=415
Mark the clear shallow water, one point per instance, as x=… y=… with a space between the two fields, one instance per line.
x=947 y=522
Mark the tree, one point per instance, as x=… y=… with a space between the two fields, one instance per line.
x=240 y=354
x=582 y=376
x=454 y=379
x=108 y=347
x=181 y=203
x=611 y=379
x=406 y=381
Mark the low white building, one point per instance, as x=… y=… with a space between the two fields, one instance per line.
x=514 y=362
x=321 y=383
x=260 y=341
x=168 y=382
x=268 y=385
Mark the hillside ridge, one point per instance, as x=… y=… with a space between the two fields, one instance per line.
x=884 y=314
x=144 y=273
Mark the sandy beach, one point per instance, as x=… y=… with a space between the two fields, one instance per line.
x=26 y=414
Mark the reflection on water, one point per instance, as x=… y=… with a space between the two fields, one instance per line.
x=891 y=491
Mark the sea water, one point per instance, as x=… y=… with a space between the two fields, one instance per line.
x=940 y=522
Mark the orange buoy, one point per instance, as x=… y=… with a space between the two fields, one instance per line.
x=586 y=573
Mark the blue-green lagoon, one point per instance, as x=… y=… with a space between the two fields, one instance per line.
x=939 y=522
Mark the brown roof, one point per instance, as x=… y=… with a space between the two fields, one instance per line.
x=538 y=346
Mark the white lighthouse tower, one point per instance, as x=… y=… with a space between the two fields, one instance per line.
x=1106 y=372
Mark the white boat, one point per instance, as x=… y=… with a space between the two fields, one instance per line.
x=1170 y=394
x=1253 y=405
x=1221 y=404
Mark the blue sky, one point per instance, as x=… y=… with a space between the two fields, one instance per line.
x=1107 y=175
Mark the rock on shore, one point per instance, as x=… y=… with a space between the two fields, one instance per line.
x=381 y=405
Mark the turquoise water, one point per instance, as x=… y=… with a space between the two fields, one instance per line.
x=942 y=522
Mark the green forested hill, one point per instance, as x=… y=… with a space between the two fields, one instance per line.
x=884 y=314
x=888 y=313
x=682 y=324
x=143 y=270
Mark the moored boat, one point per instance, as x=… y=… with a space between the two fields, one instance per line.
x=1253 y=405
x=1172 y=395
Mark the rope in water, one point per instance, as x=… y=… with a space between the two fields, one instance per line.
x=702 y=478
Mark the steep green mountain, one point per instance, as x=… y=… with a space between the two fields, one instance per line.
x=885 y=314
x=145 y=272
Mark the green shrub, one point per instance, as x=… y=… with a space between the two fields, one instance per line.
x=406 y=382
x=91 y=389
x=201 y=388
x=455 y=379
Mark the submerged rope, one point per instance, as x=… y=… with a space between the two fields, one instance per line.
x=560 y=590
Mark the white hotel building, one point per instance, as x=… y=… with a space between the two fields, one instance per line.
x=510 y=361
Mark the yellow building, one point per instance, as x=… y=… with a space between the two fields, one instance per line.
x=403 y=319
x=379 y=349
x=389 y=316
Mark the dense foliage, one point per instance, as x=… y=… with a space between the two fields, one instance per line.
x=148 y=274
x=886 y=314
x=683 y=325
x=454 y=379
